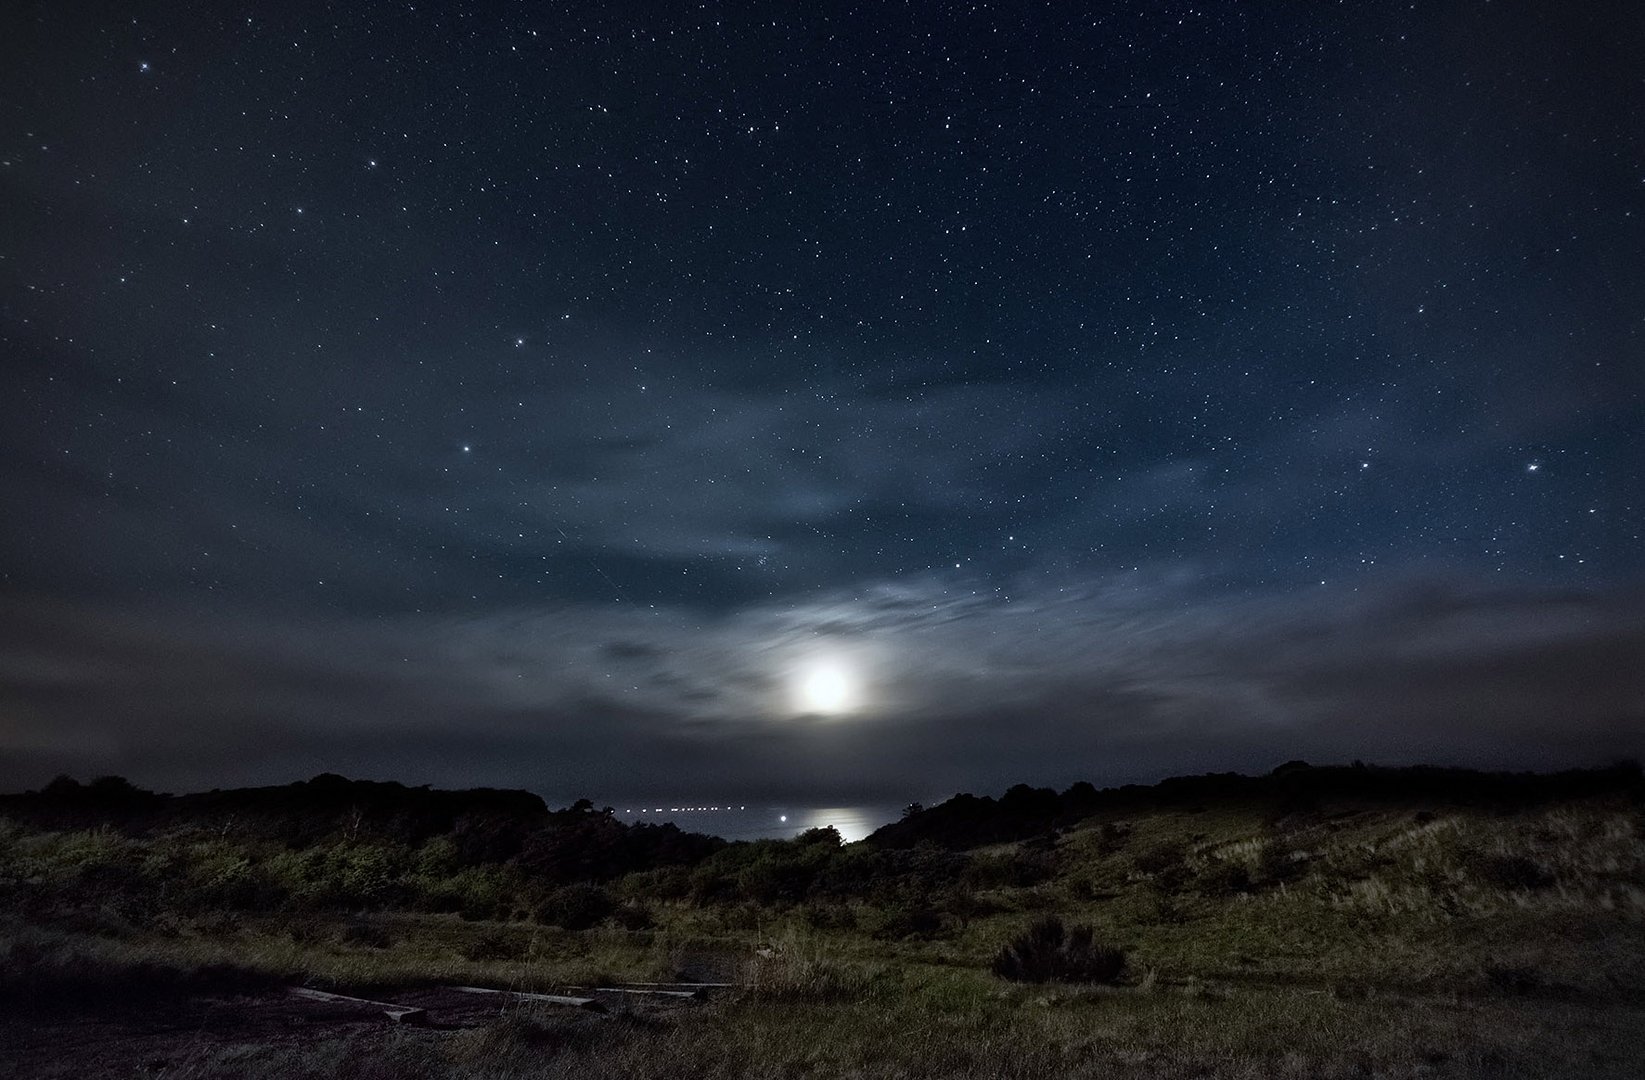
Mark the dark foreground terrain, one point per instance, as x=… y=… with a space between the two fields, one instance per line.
x=1312 y=923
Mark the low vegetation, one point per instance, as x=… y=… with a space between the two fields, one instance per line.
x=1314 y=922
x=1048 y=951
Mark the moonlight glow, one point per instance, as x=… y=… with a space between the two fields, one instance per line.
x=1074 y=396
x=827 y=687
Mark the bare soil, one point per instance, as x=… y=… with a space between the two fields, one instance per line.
x=138 y=1040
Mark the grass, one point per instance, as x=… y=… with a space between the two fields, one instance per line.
x=910 y=1028
x=1049 y=951
x=1351 y=941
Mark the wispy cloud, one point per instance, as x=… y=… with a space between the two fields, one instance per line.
x=1122 y=679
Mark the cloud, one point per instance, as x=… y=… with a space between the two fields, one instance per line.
x=1122 y=679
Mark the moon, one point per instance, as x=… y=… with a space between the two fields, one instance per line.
x=826 y=687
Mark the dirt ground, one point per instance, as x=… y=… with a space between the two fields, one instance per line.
x=197 y=1035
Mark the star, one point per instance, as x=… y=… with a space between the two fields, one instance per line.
x=1155 y=365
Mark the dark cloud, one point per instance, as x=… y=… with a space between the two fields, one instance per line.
x=1112 y=682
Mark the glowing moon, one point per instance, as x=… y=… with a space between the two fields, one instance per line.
x=826 y=687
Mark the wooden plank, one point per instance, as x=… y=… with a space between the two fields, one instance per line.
x=400 y=1014
x=550 y=999
x=694 y=995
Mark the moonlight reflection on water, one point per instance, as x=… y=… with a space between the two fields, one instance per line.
x=766 y=822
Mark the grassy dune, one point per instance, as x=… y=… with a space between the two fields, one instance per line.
x=1346 y=940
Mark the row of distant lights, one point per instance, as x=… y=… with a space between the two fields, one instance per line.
x=687 y=809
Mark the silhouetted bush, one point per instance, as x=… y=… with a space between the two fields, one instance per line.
x=1048 y=951
x=827 y=836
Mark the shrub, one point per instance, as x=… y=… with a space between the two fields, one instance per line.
x=363 y=876
x=222 y=879
x=896 y=922
x=575 y=907
x=634 y=915
x=1083 y=890
x=825 y=915
x=663 y=883
x=1018 y=869
x=1049 y=951
x=474 y=892
x=1112 y=837
x=1160 y=858
x=1173 y=878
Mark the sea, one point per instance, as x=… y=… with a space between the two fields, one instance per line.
x=747 y=821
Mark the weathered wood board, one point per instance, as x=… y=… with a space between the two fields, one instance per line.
x=549 y=999
x=400 y=1014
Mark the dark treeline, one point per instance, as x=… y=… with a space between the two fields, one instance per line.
x=326 y=844
x=497 y=825
x=967 y=821
x=108 y=850
x=299 y=812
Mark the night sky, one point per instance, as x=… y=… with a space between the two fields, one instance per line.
x=811 y=402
